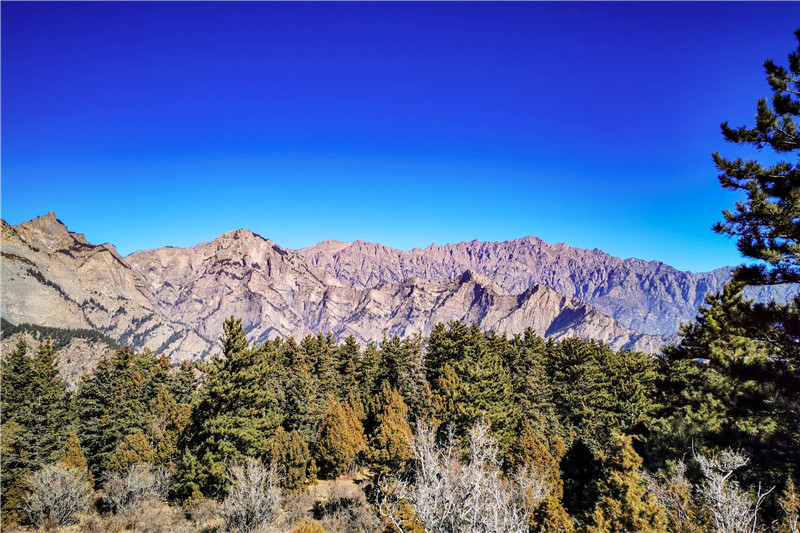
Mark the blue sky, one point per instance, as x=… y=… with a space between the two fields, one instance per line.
x=149 y=124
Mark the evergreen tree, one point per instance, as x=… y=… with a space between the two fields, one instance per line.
x=319 y=354
x=237 y=409
x=16 y=463
x=303 y=405
x=16 y=409
x=347 y=357
x=624 y=504
x=16 y=377
x=338 y=442
x=74 y=457
x=290 y=453
x=50 y=413
x=184 y=385
x=530 y=450
x=168 y=424
x=790 y=505
x=368 y=371
x=765 y=224
x=445 y=398
x=389 y=446
x=483 y=387
x=134 y=449
x=113 y=403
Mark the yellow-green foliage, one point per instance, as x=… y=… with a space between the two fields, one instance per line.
x=790 y=503
x=408 y=519
x=341 y=437
x=309 y=526
x=14 y=479
x=74 y=457
x=134 y=449
x=529 y=450
x=624 y=504
x=389 y=448
x=290 y=453
x=168 y=424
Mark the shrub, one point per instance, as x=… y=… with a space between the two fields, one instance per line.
x=309 y=526
x=57 y=496
x=253 y=497
x=142 y=482
x=346 y=509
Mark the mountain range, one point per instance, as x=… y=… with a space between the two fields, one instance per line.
x=175 y=300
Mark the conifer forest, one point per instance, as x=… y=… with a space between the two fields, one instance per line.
x=461 y=431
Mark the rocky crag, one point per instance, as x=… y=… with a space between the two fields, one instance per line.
x=174 y=300
x=648 y=297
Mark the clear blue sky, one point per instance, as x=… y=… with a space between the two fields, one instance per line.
x=150 y=124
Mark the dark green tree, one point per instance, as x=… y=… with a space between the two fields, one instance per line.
x=767 y=223
x=112 y=403
x=50 y=409
x=302 y=400
x=347 y=356
x=368 y=371
x=237 y=409
x=16 y=377
x=184 y=385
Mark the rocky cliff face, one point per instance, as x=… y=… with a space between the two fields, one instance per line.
x=649 y=297
x=174 y=300
x=52 y=277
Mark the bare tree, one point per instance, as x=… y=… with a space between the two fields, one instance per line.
x=141 y=482
x=253 y=499
x=57 y=496
x=451 y=495
x=733 y=509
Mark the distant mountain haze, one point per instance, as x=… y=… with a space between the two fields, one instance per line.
x=174 y=300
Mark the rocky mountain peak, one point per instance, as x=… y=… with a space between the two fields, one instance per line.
x=50 y=232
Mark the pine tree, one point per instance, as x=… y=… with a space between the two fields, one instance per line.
x=168 y=424
x=302 y=405
x=113 y=402
x=389 y=444
x=624 y=504
x=16 y=377
x=347 y=357
x=368 y=371
x=319 y=354
x=49 y=408
x=16 y=469
x=766 y=223
x=237 y=409
x=16 y=410
x=184 y=385
x=529 y=450
x=483 y=387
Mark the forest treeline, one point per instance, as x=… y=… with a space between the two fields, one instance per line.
x=610 y=440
